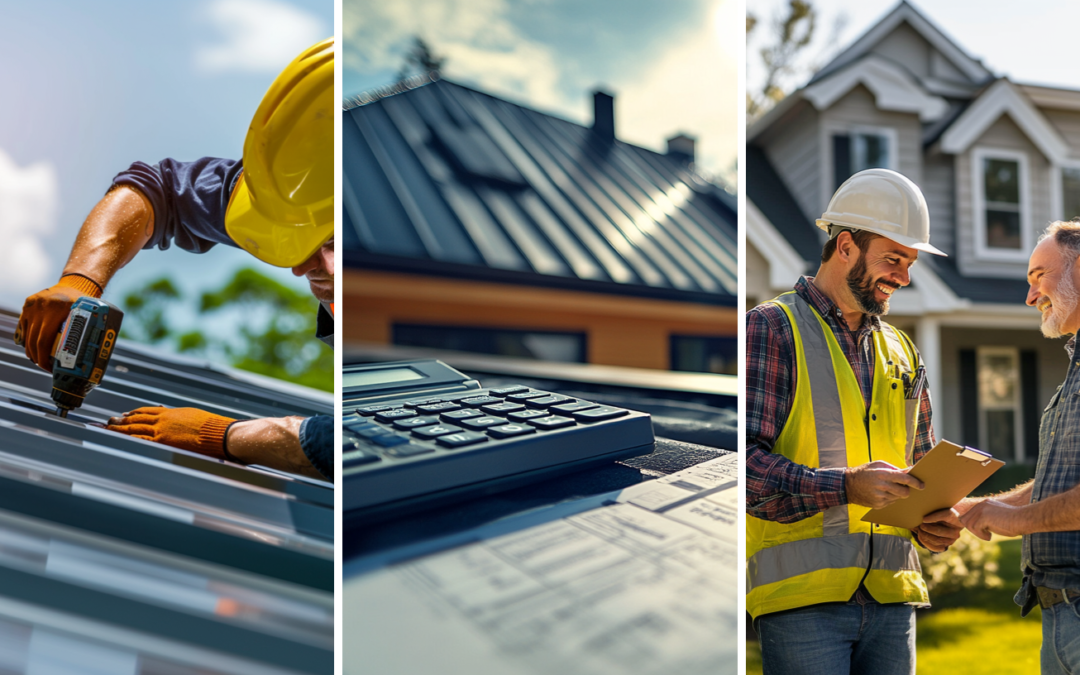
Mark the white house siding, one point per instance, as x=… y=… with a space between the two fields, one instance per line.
x=1067 y=122
x=1052 y=362
x=792 y=148
x=858 y=109
x=937 y=186
x=906 y=47
x=1006 y=135
x=757 y=278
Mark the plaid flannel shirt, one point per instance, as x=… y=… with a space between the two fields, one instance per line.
x=778 y=489
x=1052 y=559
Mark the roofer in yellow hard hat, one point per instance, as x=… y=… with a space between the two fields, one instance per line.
x=277 y=204
x=836 y=411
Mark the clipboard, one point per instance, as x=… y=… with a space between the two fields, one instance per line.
x=950 y=472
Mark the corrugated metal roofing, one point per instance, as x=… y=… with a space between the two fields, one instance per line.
x=442 y=179
x=118 y=550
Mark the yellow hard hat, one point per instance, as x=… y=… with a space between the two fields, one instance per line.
x=282 y=208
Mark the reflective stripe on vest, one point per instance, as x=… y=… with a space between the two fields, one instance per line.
x=824 y=558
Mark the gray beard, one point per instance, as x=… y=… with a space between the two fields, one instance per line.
x=862 y=288
x=1062 y=308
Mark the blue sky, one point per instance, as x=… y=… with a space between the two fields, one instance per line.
x=88 y=88
x=672 y=65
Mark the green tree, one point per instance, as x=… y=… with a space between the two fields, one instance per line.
x=276 y=334
x=421 y=60
x=792 y=33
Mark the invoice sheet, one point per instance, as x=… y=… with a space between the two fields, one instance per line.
x=641 y=582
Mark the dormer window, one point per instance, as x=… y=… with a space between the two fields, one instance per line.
x=862 y=148
x=1001 y=204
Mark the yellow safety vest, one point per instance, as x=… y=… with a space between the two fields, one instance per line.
x=825 y=557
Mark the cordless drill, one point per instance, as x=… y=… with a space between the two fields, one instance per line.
x=82 y=351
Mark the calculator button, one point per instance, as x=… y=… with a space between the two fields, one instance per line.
x=372 y=431
x=526 y=396
x=482 y=422
x=552 y=422
x=414 y=422
x=463 y=414
x=573 y=407
x=502 y=408
x=395 y=414
x=441 y=406
x=504 y=391
x=604 y=412
x=408 y=450
x=479 y=401
x=359 y=423
x=436 y=431
x=545 y=401
x=527 y=415
x=461 y=439
x=358 y=457
x=390 y=440
x=508 y=430
x=370 y=410
x=419 y=402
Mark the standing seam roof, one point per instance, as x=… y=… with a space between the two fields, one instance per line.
x=445 y=179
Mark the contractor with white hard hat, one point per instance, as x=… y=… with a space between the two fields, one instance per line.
x=836 y=411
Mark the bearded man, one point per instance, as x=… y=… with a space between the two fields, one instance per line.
x=1046 y=510
x=834 y=416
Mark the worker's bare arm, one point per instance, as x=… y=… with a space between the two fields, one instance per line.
x=1012 y=514
x=878 y=484
x=116 y=229
x=272 y=442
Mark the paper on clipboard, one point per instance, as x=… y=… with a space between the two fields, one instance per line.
x=950 y=472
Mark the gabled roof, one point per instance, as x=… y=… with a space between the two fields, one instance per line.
x=970 y=67
x=159 y=555
x=1004 y=97
x=441 y=179
x=894 y=88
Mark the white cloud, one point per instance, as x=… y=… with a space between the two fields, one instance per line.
x=691 y=87
x=28 y=208
x=477 y=37
x=260 y=36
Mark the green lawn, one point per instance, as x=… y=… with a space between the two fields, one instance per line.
x=977 y=631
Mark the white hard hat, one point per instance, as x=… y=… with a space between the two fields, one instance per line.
x=883 y=202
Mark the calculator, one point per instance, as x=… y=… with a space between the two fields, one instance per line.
x=420 y=432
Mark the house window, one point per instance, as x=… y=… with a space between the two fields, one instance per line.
x=1001 y=205
x=999 y=397
x=705 y=354
x=1070 y=193
x=857 y=150
x=523 y=344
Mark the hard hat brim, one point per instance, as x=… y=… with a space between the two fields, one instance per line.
x=271 y=241
x=903 y=240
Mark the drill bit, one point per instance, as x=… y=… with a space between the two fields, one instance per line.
x=62 y=412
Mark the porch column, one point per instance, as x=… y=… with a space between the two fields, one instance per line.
x=929 y=344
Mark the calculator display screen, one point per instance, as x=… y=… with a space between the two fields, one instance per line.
x=381 y=376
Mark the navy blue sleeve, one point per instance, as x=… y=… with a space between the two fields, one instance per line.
x=189 y=200
x=317 y=442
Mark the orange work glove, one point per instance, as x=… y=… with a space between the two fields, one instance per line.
x=185 y=428
x=44 y=314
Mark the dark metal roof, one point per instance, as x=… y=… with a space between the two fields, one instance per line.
x=771 y=196
x=977 y=289
x=441 y=179
x=122 y=548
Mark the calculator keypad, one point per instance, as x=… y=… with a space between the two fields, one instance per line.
x=450 y=423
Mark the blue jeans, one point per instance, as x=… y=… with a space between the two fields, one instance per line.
x=860 y=637
x=1060 y=654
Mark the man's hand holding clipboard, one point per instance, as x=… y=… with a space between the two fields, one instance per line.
x=949 y=472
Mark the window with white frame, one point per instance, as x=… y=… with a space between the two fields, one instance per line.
x=858 y=149
x=1000 y=419
x=1002 y=229
x=1070 y=192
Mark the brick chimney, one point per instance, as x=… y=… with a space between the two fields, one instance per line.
x=604 y=115
x=681 y=148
